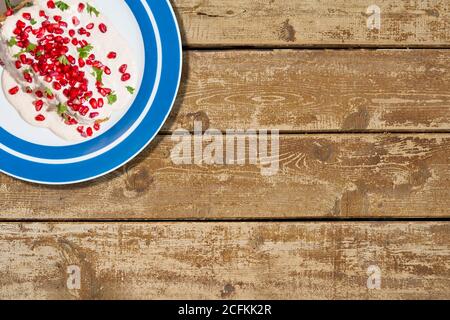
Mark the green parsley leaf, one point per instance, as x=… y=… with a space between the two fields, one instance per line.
x=61 y=5
x=84 y=51
x=63 y=60
x=112 y=98
x=61 y=109
x=92 y=10
x=33 y=22
x=12 y=42
x=48 y=91
x=130 y=89
x=98 y=74
x=31 y=47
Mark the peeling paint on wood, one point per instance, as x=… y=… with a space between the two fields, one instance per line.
x=384 y=90
x=225 y=260
x=336 y=23
x=375 y=175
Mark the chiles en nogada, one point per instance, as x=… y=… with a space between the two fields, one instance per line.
x=66 y=67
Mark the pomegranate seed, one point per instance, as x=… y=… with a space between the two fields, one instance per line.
x=42 y=13
x=112 y=55
x=75 y=21
x=9 y=12
x=18 y=64
x=51 y=4
x=89 y=132
x=57 y=18
x=96 y=126
x=93 y=115
x=14 y=90
x=20 y=24
x=39 y=94
x=39 y=118
x=107 y=70
x=80 y=129
x=38 y=104
x=90 y=26
x=26 y=16
x=126 y=77
x=100 y=102
x=103 y=28
x=123 y=68
x=56 y=86
x=93 y=103
x=81 y=7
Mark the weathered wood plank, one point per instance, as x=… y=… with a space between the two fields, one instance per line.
x=384 y=90
x=225 y=260
x=319 y=176
x=313 y=23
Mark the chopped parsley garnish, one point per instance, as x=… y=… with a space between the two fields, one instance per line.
x=84 y=51
x=61 y=109
x=48 y=91
x=12 y=42
x=112 y=98
x=61 y=5
x=33 y=22
x=92 y=10
x=98 y=74
x=63 y=60
x=130 y=89
x=31 y=47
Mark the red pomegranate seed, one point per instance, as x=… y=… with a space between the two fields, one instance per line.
x=57 y=18
x=93 y=115
x=123 y=68
x=103 y=28
x=14 y=90
x=42 y=13
x=107 y=71
x=56 y=86
x=18 y=64
x=20 y=24
x=39 y=94
x=75 y=21
x=38 y=104
x=90 y=26
x=96 y=126
x=80 y=129
x=51 y=4
x=93 y=103
x=81 y=7
x=39 y=118
x=26 y=16
x=100 y=102
x=112 y=55
x=89 y=132
x=9 y=12
x=126 y=77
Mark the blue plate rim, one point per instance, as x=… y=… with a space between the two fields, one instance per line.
x=149 y=140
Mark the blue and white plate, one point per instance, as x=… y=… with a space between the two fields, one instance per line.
x=37 y=155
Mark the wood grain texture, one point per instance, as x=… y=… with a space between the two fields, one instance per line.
x=325 y=23
x=383 y=90
x=225 y=260
x=319 y=176
x=295 y=23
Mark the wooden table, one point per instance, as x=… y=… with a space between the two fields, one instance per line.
x=362 y=193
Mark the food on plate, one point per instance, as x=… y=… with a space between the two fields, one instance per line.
x=66 y=68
